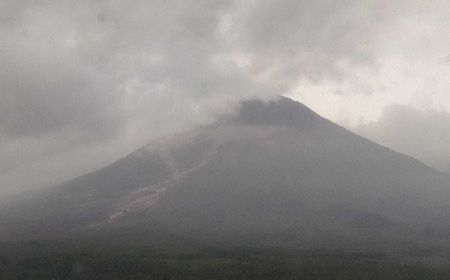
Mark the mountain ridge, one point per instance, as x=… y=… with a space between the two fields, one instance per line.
x=275 y=173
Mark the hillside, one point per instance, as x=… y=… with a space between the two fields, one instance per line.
x=274 y=174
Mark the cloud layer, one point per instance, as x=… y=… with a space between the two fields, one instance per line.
x=422 y=134
x=85 y=82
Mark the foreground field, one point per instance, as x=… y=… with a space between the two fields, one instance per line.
x=43 y=261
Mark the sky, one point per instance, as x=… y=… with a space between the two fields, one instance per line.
x=83 y=83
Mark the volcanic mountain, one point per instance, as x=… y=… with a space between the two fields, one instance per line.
x=273 y=174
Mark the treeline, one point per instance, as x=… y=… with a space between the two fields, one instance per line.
x=205 y=264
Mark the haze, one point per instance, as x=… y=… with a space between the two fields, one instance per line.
x=83 y=83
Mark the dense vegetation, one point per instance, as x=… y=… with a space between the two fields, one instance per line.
x=41 y=261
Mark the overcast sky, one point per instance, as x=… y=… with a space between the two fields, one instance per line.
x=84 y=82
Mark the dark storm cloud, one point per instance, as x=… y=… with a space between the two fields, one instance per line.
x=424 y=134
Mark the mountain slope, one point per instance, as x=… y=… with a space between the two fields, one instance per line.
x=273 y=174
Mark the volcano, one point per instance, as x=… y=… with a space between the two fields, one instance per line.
x=272 y=174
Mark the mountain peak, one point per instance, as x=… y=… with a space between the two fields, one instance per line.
x=281 y=111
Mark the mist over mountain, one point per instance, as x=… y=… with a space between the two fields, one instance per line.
x=274 y=174
x=423 y=134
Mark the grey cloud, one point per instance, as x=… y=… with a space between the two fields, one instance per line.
x=46 y=85
x=82 y=52
x=75 y=75
x=82 y=74
x=423 y=134
x=311 y=38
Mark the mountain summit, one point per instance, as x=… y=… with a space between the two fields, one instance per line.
x=282 y=111
x=273 y=174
